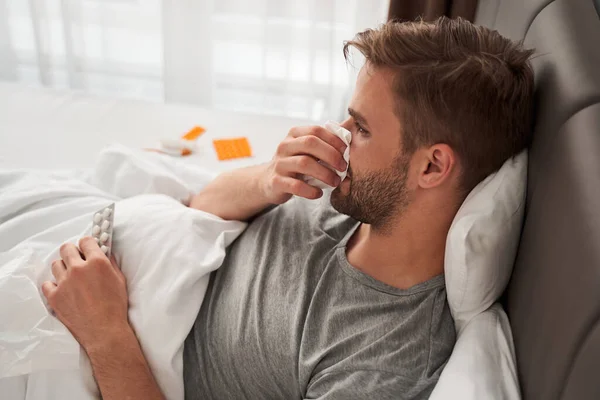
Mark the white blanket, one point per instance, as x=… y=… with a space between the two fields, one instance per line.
x=165 y=250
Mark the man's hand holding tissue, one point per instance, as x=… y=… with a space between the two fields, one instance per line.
x=241 y=194
x=90 y=298
x=297 y=156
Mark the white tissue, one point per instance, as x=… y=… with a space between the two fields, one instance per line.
x=346 y=137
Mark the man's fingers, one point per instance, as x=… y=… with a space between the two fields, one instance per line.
x=298 y=188
x=321 y=133
x=48 y=288
x=307 y=165
x=70 y=254
x=89 y=247
x=59 y=270
x=316 y=147
x=113 y=261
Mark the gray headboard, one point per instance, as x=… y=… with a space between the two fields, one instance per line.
x=553 y=299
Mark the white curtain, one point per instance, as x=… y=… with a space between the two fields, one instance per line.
x=278 y=57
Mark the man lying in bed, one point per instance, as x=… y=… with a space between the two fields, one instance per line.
x=343 y=297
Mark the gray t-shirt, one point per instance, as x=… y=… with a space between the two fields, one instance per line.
x=287 y=317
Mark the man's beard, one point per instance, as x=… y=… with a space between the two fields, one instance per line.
x=376 y=197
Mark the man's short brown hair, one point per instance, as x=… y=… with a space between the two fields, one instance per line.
x=459 y=84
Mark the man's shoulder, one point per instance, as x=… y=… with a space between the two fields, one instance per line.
x=301 y=206
x=307 y=217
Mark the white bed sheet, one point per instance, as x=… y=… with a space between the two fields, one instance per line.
x=43 y=128
x=39 y=359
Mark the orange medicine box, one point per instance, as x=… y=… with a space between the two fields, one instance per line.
x=228 y=149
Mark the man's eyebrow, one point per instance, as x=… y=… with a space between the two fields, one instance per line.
x=358 y=117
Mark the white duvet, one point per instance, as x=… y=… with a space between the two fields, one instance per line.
x=165 y=249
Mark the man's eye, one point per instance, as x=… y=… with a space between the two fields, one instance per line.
x=361 y=130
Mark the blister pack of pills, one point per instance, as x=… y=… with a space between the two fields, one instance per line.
x=102 y=228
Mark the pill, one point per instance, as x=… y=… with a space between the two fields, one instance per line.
x=175 y=144
x=104 y=237
x=102 y=228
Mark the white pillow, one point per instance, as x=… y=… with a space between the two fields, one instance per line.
x=482 y=364
x=480 y=253
x=483 y=239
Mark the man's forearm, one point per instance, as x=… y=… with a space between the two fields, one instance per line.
x=233 y=195
x=121 y=369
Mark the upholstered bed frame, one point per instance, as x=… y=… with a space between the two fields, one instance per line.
x=553 y=299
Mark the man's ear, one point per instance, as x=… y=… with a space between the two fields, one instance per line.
x=439 y=162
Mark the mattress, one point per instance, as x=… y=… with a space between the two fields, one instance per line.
x=43 y=128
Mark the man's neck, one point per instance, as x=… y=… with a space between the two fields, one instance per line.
x=408 y=252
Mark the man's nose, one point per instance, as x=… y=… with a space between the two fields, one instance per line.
x=347 y=124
